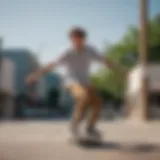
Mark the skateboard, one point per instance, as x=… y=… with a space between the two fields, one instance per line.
x=86 y=140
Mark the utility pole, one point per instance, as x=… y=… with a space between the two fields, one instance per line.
x=0 y=76
x=1 y=41
x=143 y=56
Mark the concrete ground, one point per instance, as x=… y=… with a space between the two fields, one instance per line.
x=49 y=140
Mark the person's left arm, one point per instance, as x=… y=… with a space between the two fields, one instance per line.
x=97 y=56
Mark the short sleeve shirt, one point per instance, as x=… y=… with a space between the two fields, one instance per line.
x=78 y=63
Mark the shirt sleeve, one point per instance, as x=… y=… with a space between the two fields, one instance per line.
x=97 y=56
x=63 y=58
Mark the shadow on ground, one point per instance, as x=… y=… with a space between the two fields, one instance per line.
x=138 y=148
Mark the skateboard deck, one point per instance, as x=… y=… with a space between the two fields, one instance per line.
x=86 y=140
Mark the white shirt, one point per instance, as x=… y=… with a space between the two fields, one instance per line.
x=78 y=63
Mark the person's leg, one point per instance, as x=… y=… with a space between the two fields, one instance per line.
x=81 y=98
x=96 y=104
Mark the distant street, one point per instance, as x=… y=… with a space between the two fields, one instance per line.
x=49 y=140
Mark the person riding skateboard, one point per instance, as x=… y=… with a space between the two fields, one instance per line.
x=78 y=59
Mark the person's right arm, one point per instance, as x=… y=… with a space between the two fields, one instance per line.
x=33 y=77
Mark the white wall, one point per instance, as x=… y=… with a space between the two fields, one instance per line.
x=154 y=77
x=135 y=78
x=134 y=104
x=7 y=77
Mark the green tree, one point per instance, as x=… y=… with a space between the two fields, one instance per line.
x=125 y=53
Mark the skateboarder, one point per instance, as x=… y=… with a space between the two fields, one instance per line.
x=78 y=59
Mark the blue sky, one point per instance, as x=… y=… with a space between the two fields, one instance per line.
x=42 y=25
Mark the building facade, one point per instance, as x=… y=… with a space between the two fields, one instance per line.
x=52 y=81
x=25 y=62
x=7 y=88
x=7 y=78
